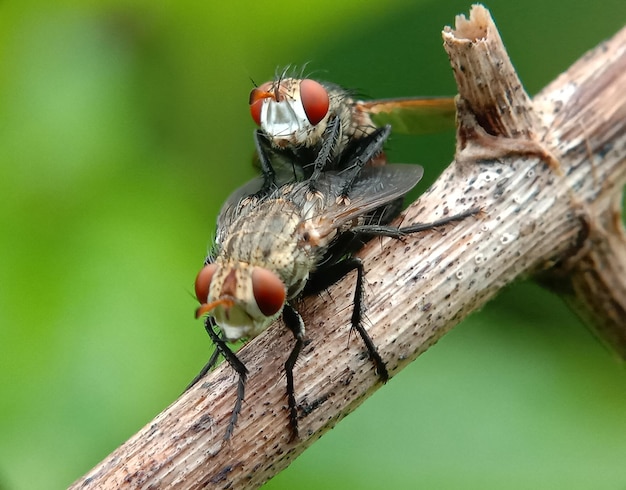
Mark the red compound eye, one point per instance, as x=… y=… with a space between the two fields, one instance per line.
x=269 y=291
x=257 y=96
x=203 y=282
x=314 y=100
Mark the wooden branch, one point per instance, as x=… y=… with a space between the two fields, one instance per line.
x=546 y=173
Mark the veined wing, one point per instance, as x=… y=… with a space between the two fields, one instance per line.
x=413 y=115
x=230 y=208
x=374 y=187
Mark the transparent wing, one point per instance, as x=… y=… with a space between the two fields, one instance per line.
x=247 y=189
x=418 y=115
x=230 y=207
x=374 y=187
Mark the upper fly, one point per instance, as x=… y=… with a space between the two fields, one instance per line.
x=299 y=119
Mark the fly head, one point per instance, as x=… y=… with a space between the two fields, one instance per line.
x=261 y=263
x=290 y=111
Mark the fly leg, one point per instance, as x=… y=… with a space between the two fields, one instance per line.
x=294 y=322
x=269 y=175
x=440 y=222
x=371 y=146
x=235 y=363
x=395 y=232
x=207 y=367
x=331 y=135
x=330 y=276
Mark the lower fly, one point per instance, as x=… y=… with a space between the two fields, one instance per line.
x=275 y=245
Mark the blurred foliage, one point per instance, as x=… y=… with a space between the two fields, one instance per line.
x=124 y=125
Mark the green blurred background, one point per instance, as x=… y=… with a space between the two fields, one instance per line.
x=124 y=125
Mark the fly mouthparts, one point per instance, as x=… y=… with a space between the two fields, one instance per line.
x=208 y=307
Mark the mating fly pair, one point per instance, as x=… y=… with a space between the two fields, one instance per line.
x=279 y=238
x=322 y=127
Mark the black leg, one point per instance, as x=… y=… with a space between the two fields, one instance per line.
x=371 y=146
x=395 y=232
x=331 y=134
x=236 y=364
x=357 y=314
x=294 y=322
x=330 y=276
x=212 y=362
x=269 y=175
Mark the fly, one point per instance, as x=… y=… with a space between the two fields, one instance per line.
x=273 y=247
x=322 y=126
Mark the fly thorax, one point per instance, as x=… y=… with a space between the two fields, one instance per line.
x=267 y=237
x=280 y=250
x=361 y=124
